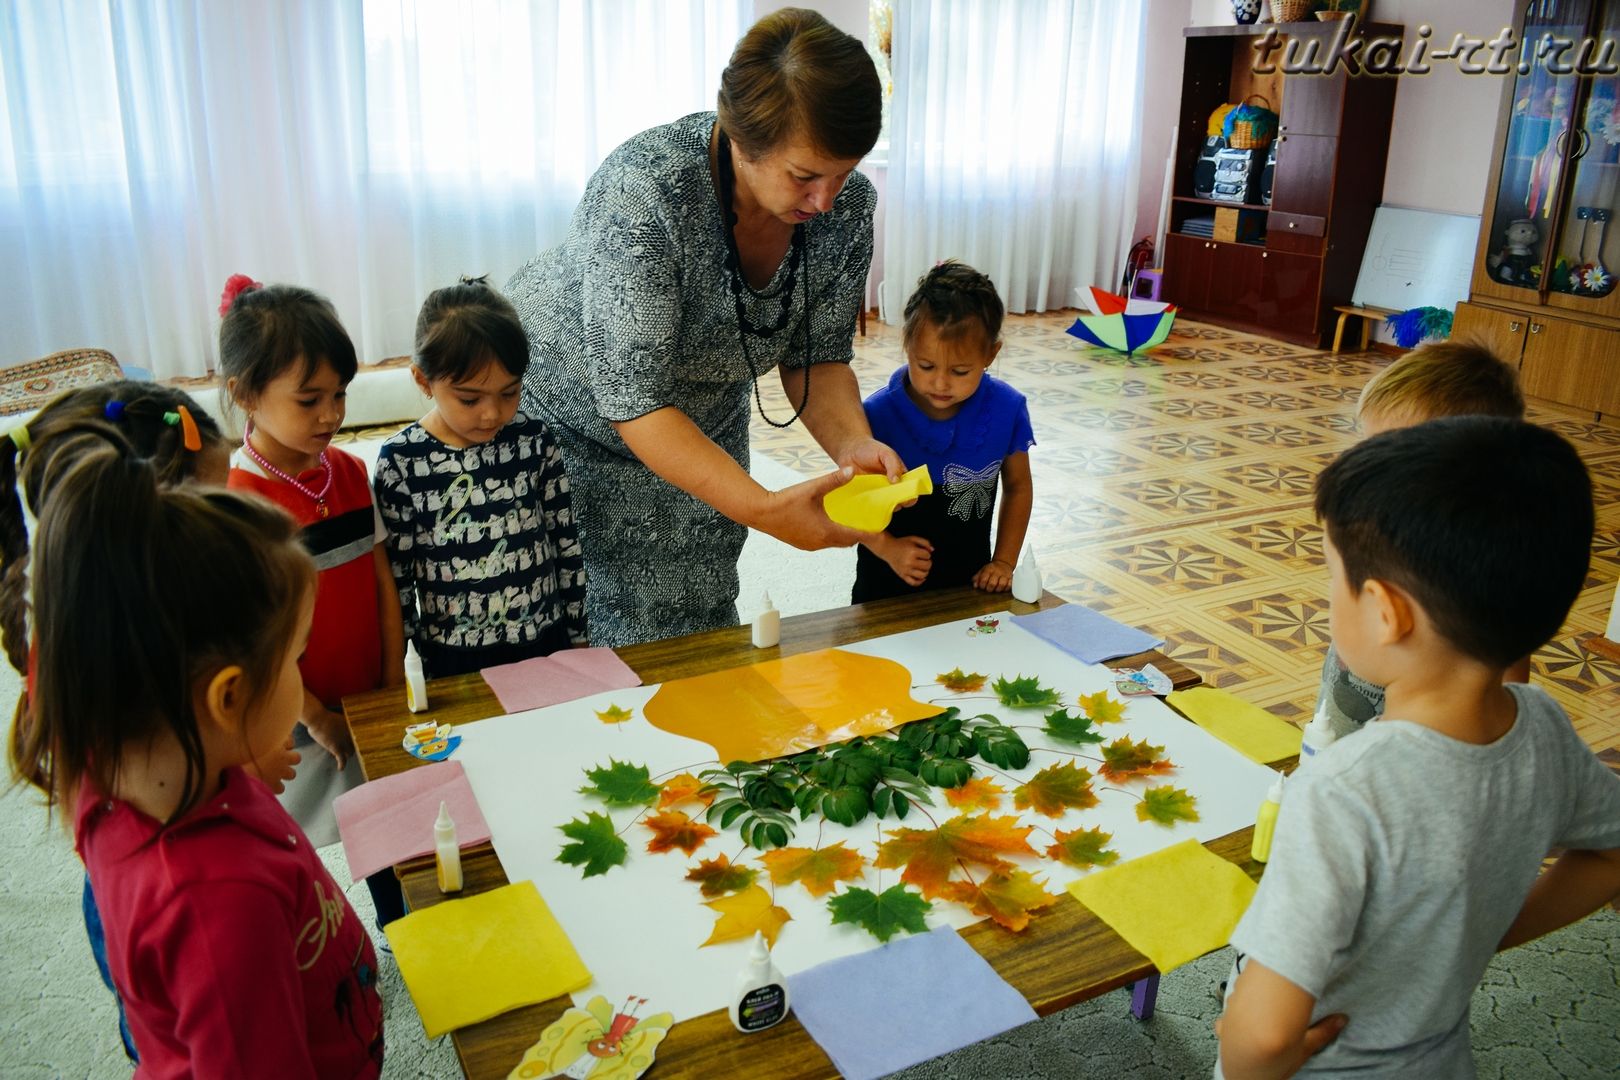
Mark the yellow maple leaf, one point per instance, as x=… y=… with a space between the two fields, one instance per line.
x=614 y=715
x=1101 y=708
x=678 y=789
x=958 y=681
x=743 y=913
x=819 y=870
x=1005 y=898
x=979 y=793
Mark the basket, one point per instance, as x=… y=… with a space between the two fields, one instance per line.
x=1291 y=10
x=1252 y=134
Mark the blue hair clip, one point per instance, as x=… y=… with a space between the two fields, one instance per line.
x=114 y=411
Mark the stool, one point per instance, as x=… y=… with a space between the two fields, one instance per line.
x=1145 y=286
x=1368 y=316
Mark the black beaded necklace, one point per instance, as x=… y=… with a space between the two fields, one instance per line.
x=798 y=252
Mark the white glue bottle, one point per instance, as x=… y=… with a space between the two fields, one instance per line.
x=415 y=683
x=767 y=626
x=446 y=851
x=1026 y=579
x=761 y=999
x=1319 y=735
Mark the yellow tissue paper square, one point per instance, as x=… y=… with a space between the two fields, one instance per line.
x=1172 y=906
x=472 y=958
x=1248 y=729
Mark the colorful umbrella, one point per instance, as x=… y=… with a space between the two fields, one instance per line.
x=1123 y=325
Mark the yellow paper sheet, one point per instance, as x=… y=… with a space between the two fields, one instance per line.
x=1172 y=906
x=472 y=958
x=867 y=502
x=785 y=706
x=1250 y=730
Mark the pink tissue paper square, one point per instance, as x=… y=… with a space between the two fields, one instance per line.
x=390 y=820
x=563 y=676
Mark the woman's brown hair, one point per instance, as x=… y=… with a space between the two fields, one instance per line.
x=140 y=592
x=141 y=412
x=795 y=73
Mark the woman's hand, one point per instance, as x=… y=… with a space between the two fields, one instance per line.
x=795 y=516
x=870 y=456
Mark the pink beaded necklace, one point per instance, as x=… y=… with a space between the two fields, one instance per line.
x=318 y=497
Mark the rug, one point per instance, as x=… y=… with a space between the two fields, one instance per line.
x=28 y=386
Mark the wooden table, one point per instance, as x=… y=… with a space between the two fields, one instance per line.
x=1067 y=954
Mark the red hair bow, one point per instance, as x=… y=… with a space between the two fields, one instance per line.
x=235 y=286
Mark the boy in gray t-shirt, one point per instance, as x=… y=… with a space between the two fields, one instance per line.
x=1404 y=858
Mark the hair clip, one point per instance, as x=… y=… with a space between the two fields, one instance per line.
x=235 y=286
x=21 y=439
x=481 y=279
x=113 y=411
x=191 y=438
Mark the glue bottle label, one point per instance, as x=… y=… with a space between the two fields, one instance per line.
x=761 y=1007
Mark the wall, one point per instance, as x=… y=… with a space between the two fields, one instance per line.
x=1161 y=98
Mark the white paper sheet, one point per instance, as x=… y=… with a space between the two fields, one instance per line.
x=639 y=926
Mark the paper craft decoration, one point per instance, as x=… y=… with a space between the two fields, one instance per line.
x=1172 y=906
x=783 y=706
x=910 y=1000
x=428 y=741
x=1089 y=636
x=867 y=502
x=1123 y=325
x=1250 y=730
x=595 y=1043
x=390 y=820
x=562 y=676
x=469 y=959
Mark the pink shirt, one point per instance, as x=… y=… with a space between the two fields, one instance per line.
x=234 y=950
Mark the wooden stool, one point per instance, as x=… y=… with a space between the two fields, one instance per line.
x=1369 y=316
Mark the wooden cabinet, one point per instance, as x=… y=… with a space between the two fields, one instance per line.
x=1331 y=146
x=1544 y=288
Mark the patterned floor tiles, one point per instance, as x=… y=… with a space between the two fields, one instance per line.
x=1173 y=490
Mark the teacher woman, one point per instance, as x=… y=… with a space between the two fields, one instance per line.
x=704 y=254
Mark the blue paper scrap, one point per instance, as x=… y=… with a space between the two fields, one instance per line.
x=1089 y=636
x=905 y=1002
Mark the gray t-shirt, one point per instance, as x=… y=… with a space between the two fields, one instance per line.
x=1400 y=859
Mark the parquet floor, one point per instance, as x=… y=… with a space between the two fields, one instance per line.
x=1173 y=491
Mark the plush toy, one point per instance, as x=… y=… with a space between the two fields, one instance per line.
x=1512 y=264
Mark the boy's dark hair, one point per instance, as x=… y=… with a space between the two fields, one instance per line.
x=463 y=326
x=268 y=328
x=1486 y=522
x=141 y=420
x=1444 y=378
x=955 y=298
x=795 y=73
x=140 y=592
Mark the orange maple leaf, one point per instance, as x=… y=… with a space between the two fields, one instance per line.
x=817 y=869
x=1083 y=848
x=673 y=829
x=1101 y=708
x=958 y=681
x=1005 y=898
x=1055 y=789
x=678 y=789
x=979 y=793
x=930 y=855
x=719 y=875
x=1125 y=759
x=743 y=913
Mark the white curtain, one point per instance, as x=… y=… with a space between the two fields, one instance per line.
x=1013 y=144
x=370 y=149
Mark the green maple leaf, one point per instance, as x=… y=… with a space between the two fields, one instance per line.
x=1064 y=727
x=621 y=784
x=1056 y=789
x=1082 y=848
x=883 y=914
x=1167 y=805
x=1022 y=693
x=596 y=847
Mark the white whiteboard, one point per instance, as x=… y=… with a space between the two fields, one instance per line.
x=1417 y=258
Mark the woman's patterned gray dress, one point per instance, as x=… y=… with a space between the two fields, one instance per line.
x=634 y=313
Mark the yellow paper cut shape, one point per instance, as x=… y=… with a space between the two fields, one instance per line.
x=469 y=959
x=1250 y=730
x=594 y=1043
x=784 y=706
x=1172 y=906
x=867 y=502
